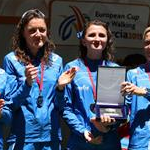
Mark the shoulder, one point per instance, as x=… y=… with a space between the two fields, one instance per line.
x=3 y=76
x=137 y=70
x=2 y=71
x=73 y=63
x=55 y=57
x=111 y=63
x=11 y=56
x=135 y=73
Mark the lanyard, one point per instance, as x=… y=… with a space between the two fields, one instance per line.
x=91 y=79
x=40 y=82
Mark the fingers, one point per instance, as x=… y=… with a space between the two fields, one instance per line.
x=104 y=124
x=91 y=139
x=30 y=73
x=66 y=77
x=107 y=121
x=88 y=136
x=99 y=125
x=72 y=71
x=128 y=88
x=2 y=102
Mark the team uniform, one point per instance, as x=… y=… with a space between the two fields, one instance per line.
x=78 y=97
x=6 y=115
x=36 y=127
x=6 y=87
x=140 y=110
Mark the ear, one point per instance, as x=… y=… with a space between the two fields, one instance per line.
x=83 y=42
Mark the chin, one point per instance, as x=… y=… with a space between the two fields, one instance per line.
x=39 y=46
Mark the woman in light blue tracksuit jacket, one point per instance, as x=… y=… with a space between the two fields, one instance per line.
x=137 y=89
x=35 y=123
x=5 y=114
x=96 y=49
x=7 y=87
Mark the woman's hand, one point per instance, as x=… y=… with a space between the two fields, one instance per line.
x=30 y=73
x=104 y=124
x=66 y=77
x=130 y=88
x=2 y=102
x=91 y=139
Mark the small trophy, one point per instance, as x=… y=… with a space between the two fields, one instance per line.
x=109 y=99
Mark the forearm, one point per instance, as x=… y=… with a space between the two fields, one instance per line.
x=74 y=123
x=71 y=119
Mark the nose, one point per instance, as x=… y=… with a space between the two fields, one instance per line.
x=37 y=33
x=97 y=38
x=147 y=46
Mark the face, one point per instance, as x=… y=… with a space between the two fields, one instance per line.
x=95 y=39
x=147 y=46
x=35 y=33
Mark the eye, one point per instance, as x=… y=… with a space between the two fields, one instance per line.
x=92 y=35
x=42 y=30
x=32 y=30
x=102 y=35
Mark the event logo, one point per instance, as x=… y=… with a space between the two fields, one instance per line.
x=74 y=22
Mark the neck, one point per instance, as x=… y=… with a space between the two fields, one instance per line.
x=95 y=55
x=34 y=53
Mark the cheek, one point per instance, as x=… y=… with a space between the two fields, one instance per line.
x=84 y=42
x=44 y=38
x=28 y=40
x=104 y=42
x=27 y=37
x=146 y=49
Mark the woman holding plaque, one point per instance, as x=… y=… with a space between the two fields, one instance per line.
x=137 y=91
x=96 y=49
x=35 y=124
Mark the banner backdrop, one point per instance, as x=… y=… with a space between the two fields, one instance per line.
x=127 y=21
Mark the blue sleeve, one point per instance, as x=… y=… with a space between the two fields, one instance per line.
x=15 y=90
x=128 y=98
x=8 y=66
x=6 y=114
x=67 y=111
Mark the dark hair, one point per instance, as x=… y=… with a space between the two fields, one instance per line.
x=19 y=43
x=108 y=52
x=134 y=60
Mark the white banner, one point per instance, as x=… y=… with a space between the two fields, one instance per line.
x=127 y=21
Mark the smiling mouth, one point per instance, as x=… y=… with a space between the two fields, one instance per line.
x=96 y=43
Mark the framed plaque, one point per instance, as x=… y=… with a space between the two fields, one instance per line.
x=109 y=98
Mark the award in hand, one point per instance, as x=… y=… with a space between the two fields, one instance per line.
x=109 y=98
